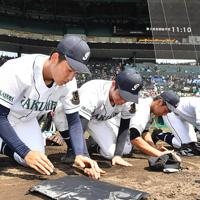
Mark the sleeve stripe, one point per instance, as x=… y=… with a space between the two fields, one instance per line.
x=85 y=113
x=72 y=108
x=6 y=101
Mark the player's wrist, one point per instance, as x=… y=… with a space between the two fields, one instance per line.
x=117 y=156
x=25 y=152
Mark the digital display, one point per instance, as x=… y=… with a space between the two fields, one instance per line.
x=176 y=21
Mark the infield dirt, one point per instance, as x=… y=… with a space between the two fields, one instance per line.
x=16 y=180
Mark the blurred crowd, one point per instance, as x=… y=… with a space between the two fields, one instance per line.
x=3 y=59
x=184 y=79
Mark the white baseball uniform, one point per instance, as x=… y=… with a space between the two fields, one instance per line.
x=104 y=119
x=142 y=118
x=182 y=121
x=24 y=92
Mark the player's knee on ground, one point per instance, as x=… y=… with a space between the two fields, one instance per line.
x=16 y=157
x=1 y=142
x=109 y=153
x=127 y=147
x=19 y=160
x=176 y=143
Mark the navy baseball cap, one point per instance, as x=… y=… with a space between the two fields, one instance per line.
x=171 y=99
x=76 y=51
x=129 y=83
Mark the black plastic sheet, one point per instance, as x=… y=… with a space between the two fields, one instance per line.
x=84 y=188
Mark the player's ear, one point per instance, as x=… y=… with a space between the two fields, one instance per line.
x=113 y=84
x=161 y=102
x=54 y=57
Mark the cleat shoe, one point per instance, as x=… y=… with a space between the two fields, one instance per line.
x=54 y=140
x=195 y=146
x=198 y=137
x=190 y=149
x=69 y=157
x=92 y=146
x=154 y=135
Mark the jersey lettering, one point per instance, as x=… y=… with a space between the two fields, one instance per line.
x=75 y=98
x=132 y=108
x=6 y=96
x=104 y=117
x=37 y=105
x=86 y=110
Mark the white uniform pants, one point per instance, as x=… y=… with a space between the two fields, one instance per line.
x=30 y=133
x=105 y=135
x=183 y=131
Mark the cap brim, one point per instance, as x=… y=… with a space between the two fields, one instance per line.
x=78 y=66
x=128 y=96
x=170 y=107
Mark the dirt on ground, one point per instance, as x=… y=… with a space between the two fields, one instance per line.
x=16 y=180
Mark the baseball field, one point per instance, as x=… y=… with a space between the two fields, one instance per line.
x=16 y=180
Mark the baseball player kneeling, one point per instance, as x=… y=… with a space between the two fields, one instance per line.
x=140 y=122
x=31 y=85
x=182 y=123
x=102 y=100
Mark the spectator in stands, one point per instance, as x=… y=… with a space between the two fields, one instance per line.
x=3 y=59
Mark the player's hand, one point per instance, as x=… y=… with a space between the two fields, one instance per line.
x=161 y=148
x=85 y=162
x=166 y=151
x=57 y=139
x=118 y=160
x=92 y=173
x=39 y=161
x=178 y=158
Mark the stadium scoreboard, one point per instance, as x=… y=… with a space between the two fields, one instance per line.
x=176 y=22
